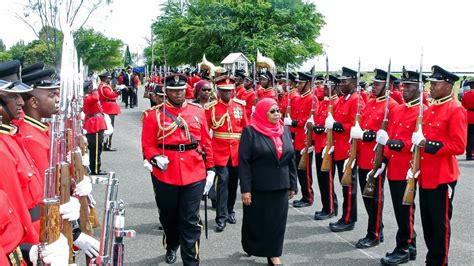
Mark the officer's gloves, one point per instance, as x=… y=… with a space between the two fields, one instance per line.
x=55 y=254
x=382 y=137
x=160 y=161
x=356 y=131
x=84 y=187
x=287 y=121
x=209 y=181
x=70 y=210
x=147 y=165
x=329 y=122
x=417 y=137
x=88 y=244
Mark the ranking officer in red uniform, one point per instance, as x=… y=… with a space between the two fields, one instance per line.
x=307 y=101
x=370 y=123
x=95 y=126
x=442 y=138
x=325 y=178
x=226 y=117
x=398 y=145
x=108 y=100
x=468 y=103
x=341 y=124
x=176 y=141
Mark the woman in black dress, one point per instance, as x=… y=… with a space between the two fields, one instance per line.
x=267 y=173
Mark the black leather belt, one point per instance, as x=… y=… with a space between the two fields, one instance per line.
x=179 y=147
x=110 y=101
x=96 y=114
x=470 y=109
x=35 y=213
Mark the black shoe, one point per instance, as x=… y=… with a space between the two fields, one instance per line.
x=220 y=227
x=231 y=219
x=398 y=256
x=336 y=223
x=170 y=256
x=323 y=216
x=412 y=251
x=341 y=227
x=109 y=149
x=101 y=172
x=469 y=159
x=301 y=204
x=367 y=243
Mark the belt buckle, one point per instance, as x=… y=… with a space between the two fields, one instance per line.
x=181 y=147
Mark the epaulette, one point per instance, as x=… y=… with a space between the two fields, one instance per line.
x=195 y=104
x=145 y=112
x=208 y=106
x=242 y=102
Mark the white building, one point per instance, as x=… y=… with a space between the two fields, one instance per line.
x=236 y=61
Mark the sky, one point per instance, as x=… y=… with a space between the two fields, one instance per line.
x=372 y=30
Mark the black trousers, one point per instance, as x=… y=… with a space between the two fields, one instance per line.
x=126 y=96
x=108 y=141
x=179 y=215
x=470 y=141
x=349 y=206
x=373 y=206
x=404 y=214
x=133 y=97
x=436 y=208
x=94 y=144
x=305 y=178
x=326 y=186
x=226 y=190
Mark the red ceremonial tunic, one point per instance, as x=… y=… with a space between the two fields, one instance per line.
x=184 y=167
x=397 y=96
x=302 y=115
x=445 y=121
x=468 y=103
x=239 y=91
x=402 y=126
x=249 y=97
x=267 y=93
x=294 y=101
x=36 y=140
x=345 y=114
x=320 y=119
x=95 y=120
x=372 y=120
x=12 y=229
x=107 y=98
x=227 y=122
x=20 y=179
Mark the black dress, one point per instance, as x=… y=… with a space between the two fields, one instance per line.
x=268 y=179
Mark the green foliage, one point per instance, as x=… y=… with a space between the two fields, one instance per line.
x=18 y=50
x=5 y=56
x=127 y=59
x=2 y=46
x=96 y=50
x=285 y=31
x=38 y=50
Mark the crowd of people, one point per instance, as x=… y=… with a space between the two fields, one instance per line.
x=206 y=135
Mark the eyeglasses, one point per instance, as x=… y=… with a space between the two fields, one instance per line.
x=275 y=111
x=206 y=90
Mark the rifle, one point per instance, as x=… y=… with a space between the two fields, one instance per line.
x=288 y=107
x=309 y=134
x=112 y=232
x=346 y=179
x=327 y=158
x=409 y=194
x=378 y=159
x=255 y=100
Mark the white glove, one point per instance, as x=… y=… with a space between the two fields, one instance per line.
x=253 y=109
x=356 y=132
x=83 y=116
x=84 y=187
x=417 y=137
x=85 y=159
x=89 y=244
x=161 y=162
x=209 y=181
x=70 y=210
x=287 y=121
x=147 y=165
x=329 y=122
x=410 y=174
x=382 y=137
x=110 y=129
x=331 y=150
x=346 y=161
x=310 y=150
x=54 y=254
x=378 y=172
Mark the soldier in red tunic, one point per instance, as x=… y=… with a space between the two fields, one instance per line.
x=108 y=98
x=176 y=141
x=442 y=138
x=370 y=123
x=325 y=179
x=398 y=153
x=306 y=102
x=266 y=90
x=248 y=96
x=95 y=126
x=341 y=123
x=468 y=103
x=226 y=117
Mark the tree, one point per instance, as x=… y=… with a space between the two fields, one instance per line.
x=18 y=51
x=127 y=58
x=96 y=50
x=284 y=31
x=2 y=46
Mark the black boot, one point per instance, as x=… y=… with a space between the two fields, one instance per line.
x=398 y=256
x=170 y=256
